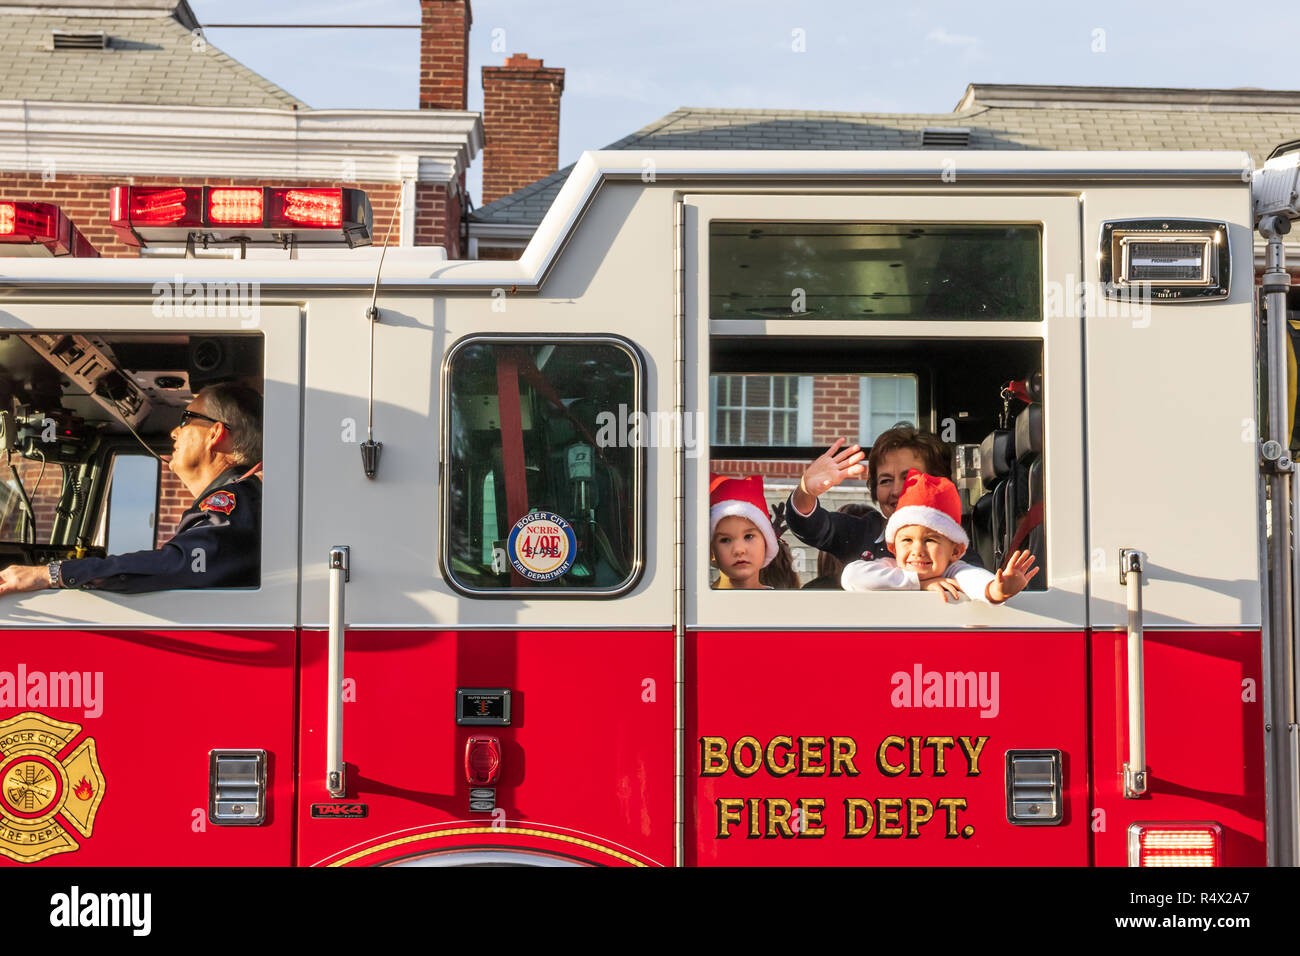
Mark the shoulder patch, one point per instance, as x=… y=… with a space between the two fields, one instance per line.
x=222 y=501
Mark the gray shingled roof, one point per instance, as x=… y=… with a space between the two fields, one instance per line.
x=152 y=60
x=992 y=127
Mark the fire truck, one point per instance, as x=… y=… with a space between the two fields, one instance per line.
x=484 y=631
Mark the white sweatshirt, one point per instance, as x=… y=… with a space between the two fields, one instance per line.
x=884 y=574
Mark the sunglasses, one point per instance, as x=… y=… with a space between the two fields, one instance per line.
x=189 y=416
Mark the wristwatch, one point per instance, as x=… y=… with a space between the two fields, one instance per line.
x=55 y=568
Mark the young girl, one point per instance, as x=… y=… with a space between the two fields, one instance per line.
x=741 y=538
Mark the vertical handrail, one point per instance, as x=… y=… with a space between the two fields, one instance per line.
x=1280 y=652
x=1135 y=769
x=679 y=538
x=335 y=778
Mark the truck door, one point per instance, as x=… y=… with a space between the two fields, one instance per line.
x=890 y=728
x=506 y=681
x=150 y=728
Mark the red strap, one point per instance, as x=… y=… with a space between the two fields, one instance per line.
x=1031 y=520
x=512 y=445
x=1020 y=390
x=534 y=377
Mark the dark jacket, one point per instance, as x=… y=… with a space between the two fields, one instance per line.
x=847 y=537
x=218 y=544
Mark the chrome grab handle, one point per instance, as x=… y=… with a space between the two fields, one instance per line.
x=335 y=782
x=1135 y=769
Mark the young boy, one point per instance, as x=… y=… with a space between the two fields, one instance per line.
x=926 y=538
x=740 y=534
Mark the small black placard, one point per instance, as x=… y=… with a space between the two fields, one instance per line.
x=339 y=811
x=483 y=706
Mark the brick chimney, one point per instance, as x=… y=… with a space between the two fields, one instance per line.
x=444 y=54
x=521 y=124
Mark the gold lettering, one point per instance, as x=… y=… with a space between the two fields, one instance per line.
x=882 y=761
x=972 y=749
x=919 y=811
x=843 y=750
x=914 y=748
x=728 y=813
x=810 y=817
x=754 y=820
x=778 y=817
x=807 y=745
x=852 y=807
x=937 y=744
x=888 y=810
x=950 y=806
x=713 y=756
x=741 y=768
x=779 y=769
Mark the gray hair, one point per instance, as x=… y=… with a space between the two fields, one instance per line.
x=240 y=408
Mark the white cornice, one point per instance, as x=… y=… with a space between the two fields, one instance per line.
x=128 y=140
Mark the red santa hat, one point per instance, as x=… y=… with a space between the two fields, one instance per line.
x=930 y=501
x=743 y=498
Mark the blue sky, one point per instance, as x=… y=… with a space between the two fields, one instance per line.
x=629 y=63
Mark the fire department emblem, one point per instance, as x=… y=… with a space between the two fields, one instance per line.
x=222 y=501
x=49 y=787
x=541 y=546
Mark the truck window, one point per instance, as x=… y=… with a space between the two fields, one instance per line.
x=541 y=488
x=875 y=270
x=761 y=391
x=76 y=410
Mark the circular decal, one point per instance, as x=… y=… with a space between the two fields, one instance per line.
x=31 y=786
x=541 y=546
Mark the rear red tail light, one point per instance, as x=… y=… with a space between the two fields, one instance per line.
x=307 y=207
x=241 y=206
x=1175 y=844
x=8 y=218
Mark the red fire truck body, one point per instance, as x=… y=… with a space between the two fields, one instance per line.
x=532 y=666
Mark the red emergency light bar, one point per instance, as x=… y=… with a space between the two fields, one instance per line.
x=40 y=229
x=242 y=215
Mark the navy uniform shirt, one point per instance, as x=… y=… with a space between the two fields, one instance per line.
x=847 y=537
x=218 y=544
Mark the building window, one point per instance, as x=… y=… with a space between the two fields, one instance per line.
x=769 y=410
x=885 y=400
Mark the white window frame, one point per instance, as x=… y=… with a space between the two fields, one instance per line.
x=1063 y=605
x=274 y=603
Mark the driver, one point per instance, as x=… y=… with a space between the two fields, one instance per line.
x=217 y=455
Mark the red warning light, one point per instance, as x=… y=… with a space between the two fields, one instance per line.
x=158 y=206
x=322 y=208
x=235 y=206
x=243 y=215
x=40 y=229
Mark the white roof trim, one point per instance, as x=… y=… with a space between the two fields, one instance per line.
x=699 y=170
x=130 y=140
